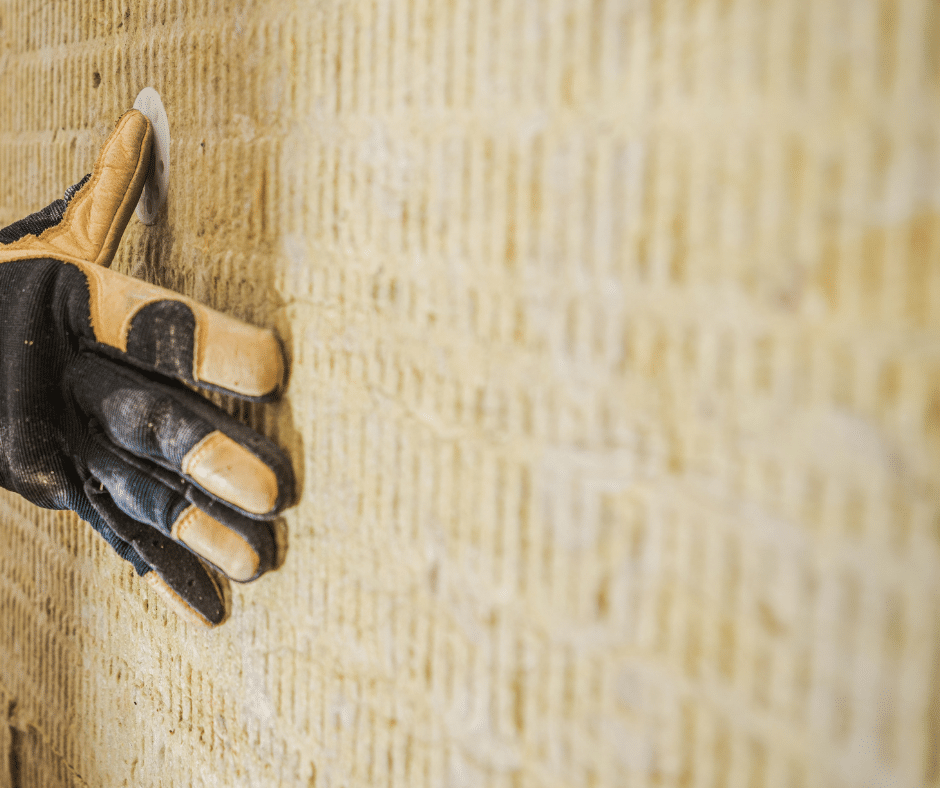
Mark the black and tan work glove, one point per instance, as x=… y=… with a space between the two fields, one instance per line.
x=90 y=416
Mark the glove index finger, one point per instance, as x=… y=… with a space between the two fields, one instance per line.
x=160 y=330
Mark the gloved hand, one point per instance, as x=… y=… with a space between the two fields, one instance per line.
x=90 y=418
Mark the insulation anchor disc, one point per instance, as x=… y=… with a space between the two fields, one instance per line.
x=155 y=189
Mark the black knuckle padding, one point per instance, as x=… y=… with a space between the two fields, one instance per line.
x=161 y=337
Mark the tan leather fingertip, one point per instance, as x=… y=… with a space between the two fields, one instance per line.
x=228 y=470
x=213 y=541
x=235 y=356
x=175 y=602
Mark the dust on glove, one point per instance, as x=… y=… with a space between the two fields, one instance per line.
x=92 y=418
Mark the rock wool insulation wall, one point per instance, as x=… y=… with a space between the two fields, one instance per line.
x=615 y=395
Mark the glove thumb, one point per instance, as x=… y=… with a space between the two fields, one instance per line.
x=95 y=219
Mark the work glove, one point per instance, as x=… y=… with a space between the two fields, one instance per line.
x=91 y=416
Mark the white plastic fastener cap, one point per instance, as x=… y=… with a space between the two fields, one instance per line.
x=155 y=189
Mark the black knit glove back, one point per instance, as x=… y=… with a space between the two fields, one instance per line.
x=90 y=416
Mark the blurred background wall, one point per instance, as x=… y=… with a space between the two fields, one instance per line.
x=615 y=395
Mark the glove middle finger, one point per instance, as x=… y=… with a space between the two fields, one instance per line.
x=181 y=431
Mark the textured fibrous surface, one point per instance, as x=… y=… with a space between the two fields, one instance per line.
x=615 y=393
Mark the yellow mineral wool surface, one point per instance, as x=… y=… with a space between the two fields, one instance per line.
x=614 y=394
